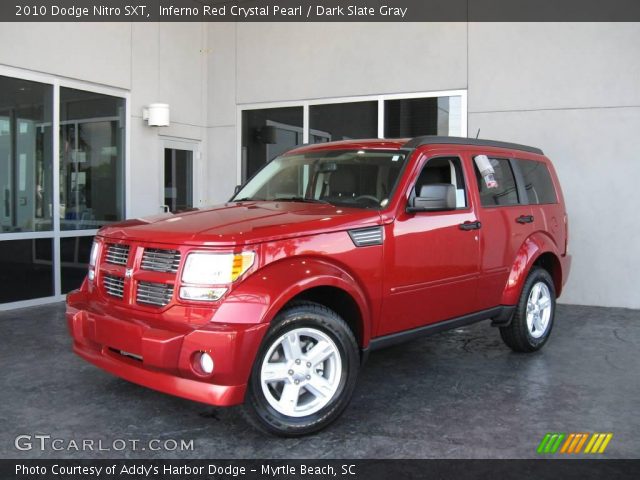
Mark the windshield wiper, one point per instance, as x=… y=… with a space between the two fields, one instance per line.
x=300 y=199
x=248 y=199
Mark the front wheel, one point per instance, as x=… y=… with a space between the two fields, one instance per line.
x=305 y=371
x=532 y=321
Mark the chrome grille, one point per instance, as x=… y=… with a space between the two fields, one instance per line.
x=159 y=260
x=157 y=294
x=113 y=285
x=117 y=254
x=363 y=237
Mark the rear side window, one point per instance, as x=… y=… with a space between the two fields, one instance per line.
x=501 y=189
x=537 y=181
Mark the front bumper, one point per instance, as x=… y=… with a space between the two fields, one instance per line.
x=160 y=354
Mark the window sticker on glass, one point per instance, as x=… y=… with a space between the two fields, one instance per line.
x=486 y=170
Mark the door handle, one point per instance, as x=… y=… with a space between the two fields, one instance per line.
x=470 y=225
x=525 y=219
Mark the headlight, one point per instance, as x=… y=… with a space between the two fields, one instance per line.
x=93 y=258
x=216 y=268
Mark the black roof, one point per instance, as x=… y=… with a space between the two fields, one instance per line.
x=434 y=139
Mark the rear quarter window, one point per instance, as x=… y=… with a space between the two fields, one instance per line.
x=537 y=182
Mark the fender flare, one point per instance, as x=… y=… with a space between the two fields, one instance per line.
x=260 y=297
x=531 y=249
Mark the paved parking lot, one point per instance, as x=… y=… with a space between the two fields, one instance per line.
x=460 y=394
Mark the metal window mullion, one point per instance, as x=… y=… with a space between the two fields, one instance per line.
x=380 y=117
x=127 y=156
x=55 y=131
x=464 y=115
x=305 y=123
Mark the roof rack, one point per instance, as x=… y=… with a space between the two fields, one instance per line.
x=434 y=139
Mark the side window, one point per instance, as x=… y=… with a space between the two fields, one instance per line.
x=500 y=189
x=537 y=181
x=443 y=170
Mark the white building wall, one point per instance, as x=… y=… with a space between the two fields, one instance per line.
x=572 y=89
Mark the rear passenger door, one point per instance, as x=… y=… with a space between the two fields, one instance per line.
x=507 y=221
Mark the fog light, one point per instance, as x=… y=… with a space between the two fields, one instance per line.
x=206 y=363
x=206 y=294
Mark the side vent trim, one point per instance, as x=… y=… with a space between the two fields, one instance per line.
x=366 y=237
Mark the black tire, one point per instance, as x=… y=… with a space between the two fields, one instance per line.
x=517 y=334
x=257 y=408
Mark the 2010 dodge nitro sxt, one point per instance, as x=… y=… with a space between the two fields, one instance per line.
x=330 y=251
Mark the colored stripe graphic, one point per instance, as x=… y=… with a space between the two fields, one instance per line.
x=572 y=443
x=550 y=443
x=598 y=443
x=567 y=443
x=581 y=442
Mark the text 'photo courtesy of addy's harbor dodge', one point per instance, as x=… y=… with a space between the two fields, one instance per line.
x=146 y=471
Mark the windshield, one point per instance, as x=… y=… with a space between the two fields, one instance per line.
x=350 y=178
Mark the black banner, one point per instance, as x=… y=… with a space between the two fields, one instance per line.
x=318 y=469
x=318 y=10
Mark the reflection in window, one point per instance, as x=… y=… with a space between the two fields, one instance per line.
x=423 y=116
x=27 y=270
x=537 y=182
x=343 y=121
x=266 y=133
x=92 y=129
x=26 y=156
x=74 y=256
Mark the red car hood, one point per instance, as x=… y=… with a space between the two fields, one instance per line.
x=242 y=223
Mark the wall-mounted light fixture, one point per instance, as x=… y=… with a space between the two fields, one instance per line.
x=156 y=114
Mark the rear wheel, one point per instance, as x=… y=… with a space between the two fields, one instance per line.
x=533 y=319
x=305 y=371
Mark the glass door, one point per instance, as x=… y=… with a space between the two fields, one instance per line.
x=178 y=179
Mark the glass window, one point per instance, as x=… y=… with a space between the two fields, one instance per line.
x=443 y=170
x=343 y=121
x=423 y=116
x=266 y=133
x=501 y=188
x=92 y=132
x=26 y=155
x=27 y=269
x=74 y=256
x=178 y=179
x=350 y=178
x=537 y=181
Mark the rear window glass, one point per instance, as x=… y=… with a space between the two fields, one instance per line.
x=537 y=181
x=501 y=189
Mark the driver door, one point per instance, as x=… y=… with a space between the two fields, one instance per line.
x=432 y=258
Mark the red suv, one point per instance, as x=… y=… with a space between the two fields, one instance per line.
x=330 y=251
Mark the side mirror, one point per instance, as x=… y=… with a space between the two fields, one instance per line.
x=434 y=197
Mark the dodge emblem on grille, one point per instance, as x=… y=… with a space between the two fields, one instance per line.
x=128 y=272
